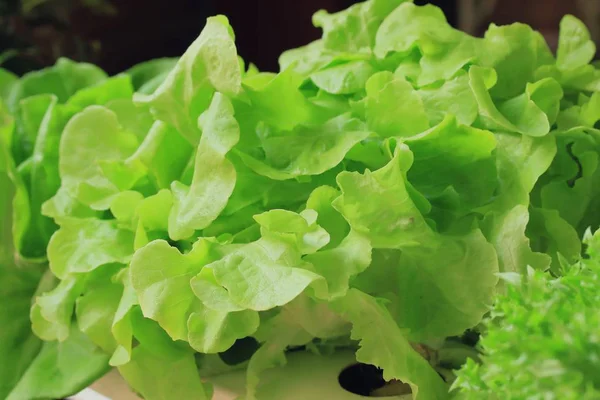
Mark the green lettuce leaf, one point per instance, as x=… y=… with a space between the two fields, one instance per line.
x=196 y=207
x=160 y=276
x=393 y=107
x=61 y=369
x=307 y=151
x=575 y=49
x=160 y=368
x=80 y=171
x=82 y=245
x=210 y=64
x=353 y=30
x=387 y=347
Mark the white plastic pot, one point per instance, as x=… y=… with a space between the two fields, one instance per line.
x=305 y=376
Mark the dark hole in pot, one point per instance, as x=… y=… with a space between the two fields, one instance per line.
x=241 y=351
x=367 y=380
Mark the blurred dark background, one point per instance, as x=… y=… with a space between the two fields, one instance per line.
x=117 y=34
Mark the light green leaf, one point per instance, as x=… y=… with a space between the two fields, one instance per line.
x=164 y=153
x=301 y=228
x=344 y=78
x=63 y=80
x=307 y=151
x=122 y=328
x=117 y=87
x=514 y=51
x=552 y=235
x=574 y=176
x=317 y=318
x=97 y=136
x=153 y=211
x=160 y=276
x=9 y=88
x=124 y=204
x=214 y=331
x=52 y=312
x=210 y=64
x=507 y=233
x=387 y=347
x=520 y=114
x=340 y=264
x=257 y=280
x=446 y=286
x=62 y=205
x=214 y=177
x=82 y=245
x=212 y=295
x=454 y=97
x=378 y=205
x=161 y=158
x=408 y=25
x=163 y=377
x=446 y=156
x=393 y=107
x=46 y=120
x=520 y=161
x=278 y=333
x=62 y=369
x=575 y=47
x=525 y=112
x=277 y=99
x=303 y=60
x=354 y=29
x=95 y=309
x=328 y=217
x=133 y=118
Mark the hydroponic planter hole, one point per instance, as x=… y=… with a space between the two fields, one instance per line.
x=367 y=380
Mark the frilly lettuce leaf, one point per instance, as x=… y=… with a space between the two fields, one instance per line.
x=160 y=368
x=575 y=49
x=164 y=291
x=389 y=218
x=344 y=78
x=527 y=327
x=214 y=177
x=393 y=107
x=210 y=64
x=354 y=29
x=307 y=151
x=98 y=130
x=82 y=245
x=387 y=346
x=277 y=99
